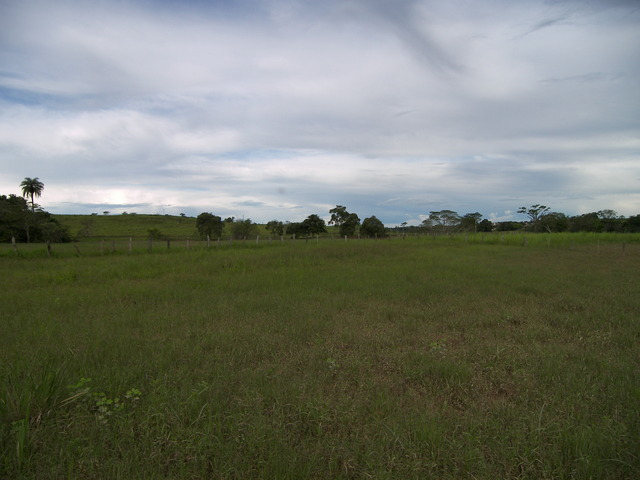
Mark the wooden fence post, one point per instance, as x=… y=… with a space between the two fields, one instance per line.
x=48 y=248
x=13 y=244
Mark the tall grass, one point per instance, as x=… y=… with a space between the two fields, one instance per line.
x=415 y=358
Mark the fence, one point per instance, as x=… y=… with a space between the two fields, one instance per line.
x=595 y=242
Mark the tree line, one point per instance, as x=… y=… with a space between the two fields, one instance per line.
x=22 y=222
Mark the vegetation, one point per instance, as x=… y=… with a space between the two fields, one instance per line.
x=209 y=225
x=32 y=187
x=423 y=357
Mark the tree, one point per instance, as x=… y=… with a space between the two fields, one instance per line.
x=372 y=227
x=610 y=220
x=209 y=225
x=243 y=229
x=444 y=221
x=313 y=225
x=276 y=227
x=534 y=212
x=294 y=229
x=485 y=226
x=345 y=221
x=554 y=222
x=470 y=221
x=32 y=187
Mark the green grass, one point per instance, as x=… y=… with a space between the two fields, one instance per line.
x=415 y=358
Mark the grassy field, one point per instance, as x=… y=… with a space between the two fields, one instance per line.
x=469 y=357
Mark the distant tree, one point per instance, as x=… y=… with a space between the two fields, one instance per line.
x=294 y=229
x=243 y=229
x=209 y=225
x=534 y=212
x=508 y=226
x=106 y=212
x=276 y=227
x=372 y=227
x=444 y=221
x=469 y=222
x=18 y=221
x=610 y=220
x=485 y=226
x=587 y=222
x=345 y=221
x=313 y=225
x=155 y=234
x=553 y=222
x=632 y=224
x=32 y=187
x=229 y=219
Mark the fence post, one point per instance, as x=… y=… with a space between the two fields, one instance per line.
x=13 y=244
x=208 y=242
x=48 y=248
x=257 y=239
x=168 y=243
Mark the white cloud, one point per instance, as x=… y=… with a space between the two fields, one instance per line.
x=400 y=107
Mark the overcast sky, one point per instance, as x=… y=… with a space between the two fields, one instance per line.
x=278 y=109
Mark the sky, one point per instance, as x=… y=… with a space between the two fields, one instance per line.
x=279 y=109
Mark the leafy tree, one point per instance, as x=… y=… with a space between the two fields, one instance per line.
x=554 y=222
x=444 y=221
x=155 y=234
x=32 y=187
x=610 y=220
x=243 y=229
x=469 y=222
x=588 y=222
x=535 y=213
x=372 y=227
x=294 y=228
x=19 y=222
x=313 y=225
x=508 y=226
x=345 y=221
x=209 y=225
x=632 y=224
x=485 y=226
x=276 y=227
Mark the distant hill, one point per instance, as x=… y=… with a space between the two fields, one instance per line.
x=134 y=225
x=129 y=225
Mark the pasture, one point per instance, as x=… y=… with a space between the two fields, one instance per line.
x=470 y=357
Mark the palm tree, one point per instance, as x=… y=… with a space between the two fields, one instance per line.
x=31 y=187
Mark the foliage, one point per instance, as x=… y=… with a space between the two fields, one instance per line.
x=156 y=234
x=313 y=225
x=372 y=227
x=535 y=213
x=276 y=227
x=25 y=225
x=209 y=225
x=346 y=222
x=243 y=229
x=470 y=221
x=32 y=187
x=443 y=221
x=485 y=226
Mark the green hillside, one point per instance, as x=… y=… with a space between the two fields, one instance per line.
x=131 y=225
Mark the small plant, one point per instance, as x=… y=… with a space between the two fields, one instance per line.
x=99 y=403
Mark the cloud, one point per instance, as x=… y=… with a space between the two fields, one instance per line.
x=284 y=109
